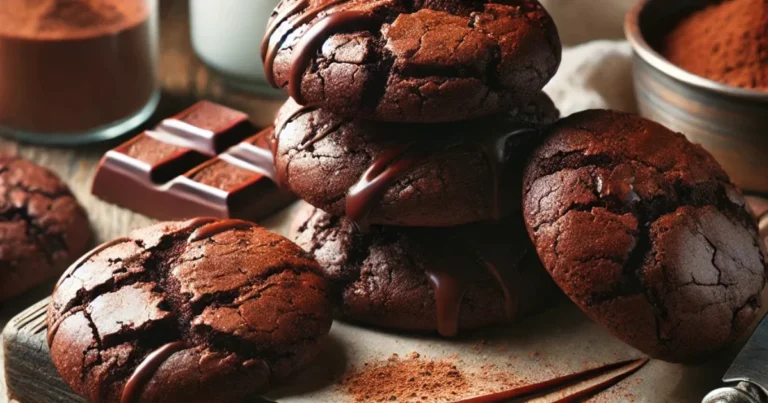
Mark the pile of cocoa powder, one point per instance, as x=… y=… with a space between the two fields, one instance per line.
x=56 y=19
x=725 y=41
x=403 y=380
x=69 y=66
x=417 y=379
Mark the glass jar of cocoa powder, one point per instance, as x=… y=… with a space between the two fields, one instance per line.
x=76 y=71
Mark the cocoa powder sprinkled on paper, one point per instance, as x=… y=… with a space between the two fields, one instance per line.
x=726 y=42
x=406 y=380
x=617 y=393
x=417 y=379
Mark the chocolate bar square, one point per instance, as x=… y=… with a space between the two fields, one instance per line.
x=200 y=162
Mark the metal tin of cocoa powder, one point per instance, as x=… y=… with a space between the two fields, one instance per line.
x=76 y=71
x=730 y=122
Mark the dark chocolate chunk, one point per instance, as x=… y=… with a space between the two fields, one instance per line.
x=206 y=127
x=194 y=164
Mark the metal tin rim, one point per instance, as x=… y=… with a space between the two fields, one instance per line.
x=651 y=56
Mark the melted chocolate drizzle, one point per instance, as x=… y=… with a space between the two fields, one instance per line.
x=309 y=141
x=451 y=273
x=218 y=227
x=144 y=372
x=449 y=286
x=397 y=161
x=278 y=20
x=385 y=170
x=270 y=48
x=494 y=148
x=508 y=284
x=317 y=34
x=54 y=328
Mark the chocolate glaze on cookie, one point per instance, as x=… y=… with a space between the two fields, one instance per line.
x=196 y=311
x=645 y=232
x=407 y=174
x=42 y=229
x=406 y=61
x=427 y=279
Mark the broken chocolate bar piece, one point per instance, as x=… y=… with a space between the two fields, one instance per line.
x=206 y=127
x=198 y=163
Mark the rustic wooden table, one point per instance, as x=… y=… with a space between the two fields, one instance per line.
x=184 y=80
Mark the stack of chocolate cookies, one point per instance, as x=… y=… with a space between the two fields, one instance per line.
x=441 y=182
x=407 y=129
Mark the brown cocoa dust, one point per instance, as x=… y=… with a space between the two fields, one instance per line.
x=406 y=380
x=69 y=66
x=726 y=42
x=417 y=379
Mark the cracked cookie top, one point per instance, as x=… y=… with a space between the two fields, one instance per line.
x=197 y=311
x=411 y=61
x=42 y=227
x=435 y=175
x=446 y=279
x=645 y=232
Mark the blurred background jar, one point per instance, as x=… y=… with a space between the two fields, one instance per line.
x=227 y=35
x=581 y=21
x=76 y=71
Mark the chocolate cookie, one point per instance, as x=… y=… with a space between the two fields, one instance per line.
x=411 y=61
x=428 y=279
x=205 y=310
x=42 y=227
x=645 y=232
x=407 y=174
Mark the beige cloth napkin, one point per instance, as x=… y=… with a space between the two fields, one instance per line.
x=596 y=71
x=581 y=21
x=596 y=74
